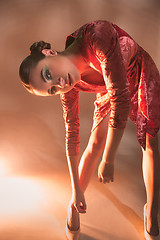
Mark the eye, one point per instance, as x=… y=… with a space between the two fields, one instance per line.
x=47 y=74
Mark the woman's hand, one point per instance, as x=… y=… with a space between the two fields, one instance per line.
x=106 y=172
x=78 y=201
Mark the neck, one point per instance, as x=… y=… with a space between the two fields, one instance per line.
x=74 y=55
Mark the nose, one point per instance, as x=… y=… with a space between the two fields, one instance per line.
x=62 y=82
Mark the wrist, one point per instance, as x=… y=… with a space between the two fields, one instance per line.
x=76 y=186
x=108 y=162
x=76 y=191
x=108 y=158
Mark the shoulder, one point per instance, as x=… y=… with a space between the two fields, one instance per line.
x=97 y=27
x=100 y=32
x=98 y=24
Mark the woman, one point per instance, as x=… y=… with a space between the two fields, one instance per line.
x=100 y=57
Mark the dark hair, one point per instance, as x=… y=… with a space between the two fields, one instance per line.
x=32 y=60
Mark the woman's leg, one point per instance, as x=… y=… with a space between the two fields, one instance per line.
x=151 y=170
x=87 y=165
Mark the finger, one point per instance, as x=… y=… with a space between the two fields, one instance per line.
x=100 y=179
x=75 y=205
x=83 y=205
x=104 y=180
x=81 y=209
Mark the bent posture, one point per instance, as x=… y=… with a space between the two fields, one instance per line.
x=100 y=57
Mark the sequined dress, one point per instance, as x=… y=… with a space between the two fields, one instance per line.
x=127 y=83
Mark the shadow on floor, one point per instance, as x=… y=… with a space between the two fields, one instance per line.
x=84 y=236
x=126 y=211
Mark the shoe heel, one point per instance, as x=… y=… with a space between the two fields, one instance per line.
x=72 y=235
x=146 y=233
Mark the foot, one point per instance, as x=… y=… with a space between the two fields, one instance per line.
x=73 y=219
x=151 y=224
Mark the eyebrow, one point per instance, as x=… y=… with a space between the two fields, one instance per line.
x=43 y=76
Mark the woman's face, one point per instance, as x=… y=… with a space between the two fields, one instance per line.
x=53 y=75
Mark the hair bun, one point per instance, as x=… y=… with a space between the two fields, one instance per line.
x=37 y=47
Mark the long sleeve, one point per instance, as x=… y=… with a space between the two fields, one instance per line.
x=70 y=104
x=104 y=43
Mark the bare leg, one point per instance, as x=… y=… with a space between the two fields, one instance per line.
x=151 y=169
x=87 y=166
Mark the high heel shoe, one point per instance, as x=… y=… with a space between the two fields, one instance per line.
x=72 y=235
x=147 y=235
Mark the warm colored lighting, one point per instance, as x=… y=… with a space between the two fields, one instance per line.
x=20 y=195
x=3 y=168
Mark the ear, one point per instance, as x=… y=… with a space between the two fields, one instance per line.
x=49 y=52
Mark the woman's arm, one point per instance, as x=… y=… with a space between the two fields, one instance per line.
x=77 y=199
x=106 y=166
x=70 y=104
x=113 y=139
x=115 y=77
x=105 y=44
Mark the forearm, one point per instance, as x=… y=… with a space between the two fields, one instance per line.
x=73 y=170
x=112 y=142
x=120 y=107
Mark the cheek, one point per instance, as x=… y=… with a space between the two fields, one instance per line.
x=63 y=67
x=40 y=88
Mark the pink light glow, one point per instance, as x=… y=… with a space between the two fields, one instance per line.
x=4 y=169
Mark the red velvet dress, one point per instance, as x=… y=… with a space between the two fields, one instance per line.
x=127 y=83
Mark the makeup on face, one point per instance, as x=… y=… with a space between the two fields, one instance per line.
x=46 y=75
x=61 y=82
x=53 y=76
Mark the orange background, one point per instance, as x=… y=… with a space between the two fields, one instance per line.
x=31 y=128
